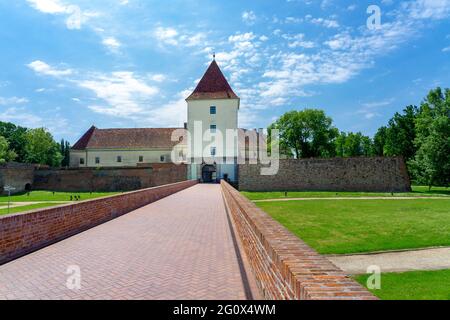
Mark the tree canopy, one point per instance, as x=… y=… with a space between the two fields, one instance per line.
x=420 y=134
x=6 y=154
x=431 y=164
x=353 y=145
x=15 y=135
x=41 y=148
x=307 y=133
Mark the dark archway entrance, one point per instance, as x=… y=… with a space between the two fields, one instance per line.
x=208 y=173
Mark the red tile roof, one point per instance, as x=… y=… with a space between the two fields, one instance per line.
x=148 y=138
x=213 y=86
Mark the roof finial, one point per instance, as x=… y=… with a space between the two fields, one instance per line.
x=214 y=55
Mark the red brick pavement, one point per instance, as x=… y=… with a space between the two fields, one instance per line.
x=180 y=247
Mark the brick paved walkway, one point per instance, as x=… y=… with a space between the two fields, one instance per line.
x=180 y=247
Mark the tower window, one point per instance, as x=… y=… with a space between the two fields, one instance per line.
x=81 y=160
x=213 y=151
x=141 y=158
x=213 y=110
x=163 y=158
x=213 y=128
x=97 y=160
x=119 y=158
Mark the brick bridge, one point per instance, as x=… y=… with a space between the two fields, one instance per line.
x=184 y=246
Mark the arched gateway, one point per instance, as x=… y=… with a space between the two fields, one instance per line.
x=209 y=173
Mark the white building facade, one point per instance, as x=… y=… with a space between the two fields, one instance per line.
x=213 y=110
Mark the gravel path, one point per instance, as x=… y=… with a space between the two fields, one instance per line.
x=395 y=261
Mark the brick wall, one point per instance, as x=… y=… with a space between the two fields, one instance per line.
x=17 y=175
x=23 y=233
x=109 y=179
x=284 y=266
x=383 y=174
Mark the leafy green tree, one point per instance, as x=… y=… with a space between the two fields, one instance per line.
x=401 y=133
x=367 y=146
x=340 y=144
x=353 y=145
x=41 y=148
x=65 y=151
x=15 y=135
x=308 y=133
x=379 y=142
x=431 y=164
x=6 y=154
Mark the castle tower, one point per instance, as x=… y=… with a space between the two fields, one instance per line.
x=214 y=106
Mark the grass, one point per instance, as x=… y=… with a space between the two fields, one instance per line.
x=28 y=208
x=415 y=285
x=38 y=196
x=352 y=226
x=417 y=192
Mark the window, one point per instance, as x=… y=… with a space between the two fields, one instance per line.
x=97 y=160
x=163 y=158
x=212 y=110
x=81 y=160
x=141 y=158
x=213 y=151
x=213 y=128
x=119 y=158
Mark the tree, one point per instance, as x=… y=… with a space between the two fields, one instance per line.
x=308 y=133
x=65 y=151
x=353 y=145
x=431 y=165
x=401 y=133
x=15 y=136
x=379 y=142
x=6 y=154
x=41 y=148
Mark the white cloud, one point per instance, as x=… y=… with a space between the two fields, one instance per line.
x=249 y=17
x=173 y=37
x=428 y=9
x=121 y=94
x=327 y=23
x=167 y=35
x=158 y=77
x=48 y=6
x=43 y=68
x=24 y=117
x=447 y=49
x=12 y=100
x=124 y=93
x=74 y=15
x=298 y=40
x=111 y=43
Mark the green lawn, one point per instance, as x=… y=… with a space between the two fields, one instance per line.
x=416 y=285
x=350 y=226
x=35 y=196
x=28 y=208
x=417 y=192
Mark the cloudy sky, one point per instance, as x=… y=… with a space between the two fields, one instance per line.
x=68 y=64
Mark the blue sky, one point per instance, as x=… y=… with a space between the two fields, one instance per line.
x=68 y=64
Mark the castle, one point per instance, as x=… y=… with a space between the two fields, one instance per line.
x=212 y=109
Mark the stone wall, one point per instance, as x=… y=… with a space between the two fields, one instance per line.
x=384 y=174
x=16 y=175
x=284 y=266
x=24 y=233
x=109 y=179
